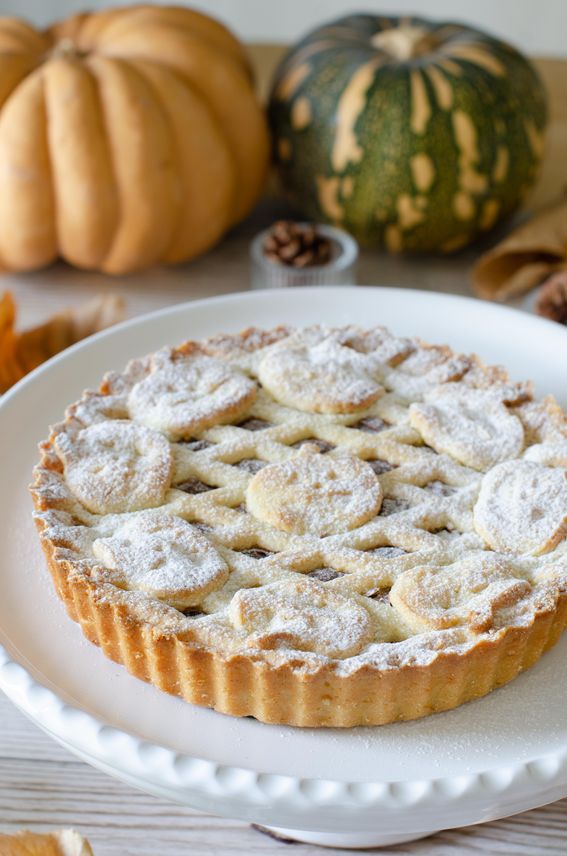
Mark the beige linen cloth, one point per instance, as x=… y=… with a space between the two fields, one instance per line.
x=524 y=259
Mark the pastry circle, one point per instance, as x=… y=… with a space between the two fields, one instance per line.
x=301 y=615
x=321 y=377
x=473 y=426
x=164 y=556
x=181 y=397
x=116 y=466
x=522 y=507
x=315 y=494
x=469 y=592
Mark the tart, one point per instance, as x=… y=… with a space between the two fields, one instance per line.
x=317 y=527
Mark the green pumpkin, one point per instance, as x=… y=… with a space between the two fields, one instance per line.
x=412 y=134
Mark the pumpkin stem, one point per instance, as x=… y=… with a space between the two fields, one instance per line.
x=403 y=42
x=67 y=49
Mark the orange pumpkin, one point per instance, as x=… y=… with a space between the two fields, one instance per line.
x=127 y=137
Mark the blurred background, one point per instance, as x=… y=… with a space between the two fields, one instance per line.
x=536 y=27
x=268 y=29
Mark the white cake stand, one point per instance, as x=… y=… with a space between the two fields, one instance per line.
x=354 y=788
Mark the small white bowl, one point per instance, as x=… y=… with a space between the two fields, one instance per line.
x=340 y=270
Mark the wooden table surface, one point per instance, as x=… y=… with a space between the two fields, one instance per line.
x=42 y=786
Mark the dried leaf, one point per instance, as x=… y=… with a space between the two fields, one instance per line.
x=64 y=842
x=527 y=256
x=22 y=352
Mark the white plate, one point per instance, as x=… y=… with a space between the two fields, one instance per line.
x=504 y=753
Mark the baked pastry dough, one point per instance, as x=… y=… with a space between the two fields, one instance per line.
x=319 y=527
x=320 y=373
x=116 y=465
x=470 y=592
x=473 y=426
x=522 y=507
x=185 y=393
x=304 y=615
x=315 y=494
x=162 y=555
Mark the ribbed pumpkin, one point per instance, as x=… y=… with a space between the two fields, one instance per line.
x=127 y=138
x=412 y=134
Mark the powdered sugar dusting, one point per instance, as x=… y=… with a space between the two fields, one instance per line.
x=164 y=556
x=471 y=425
x=302 y=616
x=317 y=373
x=522 y=507
x=116 y=465
x=426 y=367
x=315 y=494
x=550 y=454
x=468 y=592
x=183 y=395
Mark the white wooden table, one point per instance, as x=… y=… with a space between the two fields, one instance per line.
x=42 y=786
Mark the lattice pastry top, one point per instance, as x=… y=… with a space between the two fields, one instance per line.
x=315 y=495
